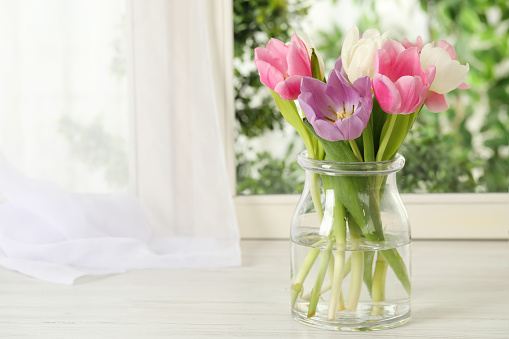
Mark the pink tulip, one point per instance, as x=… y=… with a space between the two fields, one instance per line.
x=408 y=44
x=399 y=84
x=282 y=66
x=436 y=102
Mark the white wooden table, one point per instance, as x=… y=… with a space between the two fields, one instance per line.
x=460 y=290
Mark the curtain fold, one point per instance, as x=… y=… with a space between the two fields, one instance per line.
x=173 y=62
x=182 y=214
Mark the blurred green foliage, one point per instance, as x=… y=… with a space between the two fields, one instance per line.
x=465 y=149
x=270 y=172
x=255 y=22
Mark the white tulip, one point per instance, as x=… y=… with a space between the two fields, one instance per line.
x=357 y=54
x=450 y=73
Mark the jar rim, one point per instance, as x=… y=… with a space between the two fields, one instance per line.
x=351 y=168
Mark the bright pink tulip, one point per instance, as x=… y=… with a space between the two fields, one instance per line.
x=282 y=66
x=399 y=84
x=436 y=102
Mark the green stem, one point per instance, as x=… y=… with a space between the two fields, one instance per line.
x=378 y=290
x=328 y=285
x=314 y=187
x=337 y=281
x=368 y=269
x=339 y=230
x=386 y=135
x=356 y=276
x=355 y=149
x=341 y=304
x=398 y=266
x=304 y=270
x=357 y=266
x=322 y=270
x=367 y=141
x=374 y=210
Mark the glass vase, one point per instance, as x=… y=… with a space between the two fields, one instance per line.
x=350 y=251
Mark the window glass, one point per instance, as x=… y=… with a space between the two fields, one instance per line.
x=63 y=92
x=464 y=149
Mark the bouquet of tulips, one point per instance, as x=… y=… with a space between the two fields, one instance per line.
x=361 y=112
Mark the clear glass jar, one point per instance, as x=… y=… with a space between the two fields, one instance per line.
x=350 y=254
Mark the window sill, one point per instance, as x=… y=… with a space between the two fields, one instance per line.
x=432 y=216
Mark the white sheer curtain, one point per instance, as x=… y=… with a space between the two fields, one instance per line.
x=66 y=130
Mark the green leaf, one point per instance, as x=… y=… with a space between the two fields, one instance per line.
x=398 y=135
x=339 y=151
x=393 y=134
x=378 y=117
x=367 y=141
x=289 y=111
x=345 y=187
x=315 y=66
x=398 y=266
x=368 y=269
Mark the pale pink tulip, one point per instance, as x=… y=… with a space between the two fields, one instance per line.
x=399 y=84
x=282 y=66
x=408 y=44
x=448 y=71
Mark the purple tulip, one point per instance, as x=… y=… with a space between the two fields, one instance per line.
x=337 y=110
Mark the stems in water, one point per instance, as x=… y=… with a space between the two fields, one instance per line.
x=315 y=293
x=304 y=270
x=379 y=280
x=337 y=281
x=355 y=280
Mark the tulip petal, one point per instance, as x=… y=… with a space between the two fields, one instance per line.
x=407 y=63
x=363 y=85
x=316 y=97
x=289 y=89
x=419 y=43
x=316 y=117
x=352 y=37
x=270 y=76
x=430 y=72
x=409 y=89
x=447 y=47
x=299 y=62
x=327 y=131
x=449 y=77
x=407 y=44
x=352 y=127
x=386 y=94
x=338 y=66
x=449 y=73
x=436 y=102
x=393 y=47
x=272 y=58
x=279 y=48
x=362 y=63
x=370 y=33
x=463 y=86
x=385 y=58
x=340 y=91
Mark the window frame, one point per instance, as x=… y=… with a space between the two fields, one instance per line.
x=432 y=215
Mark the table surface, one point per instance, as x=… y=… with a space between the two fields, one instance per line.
x=460 y=290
